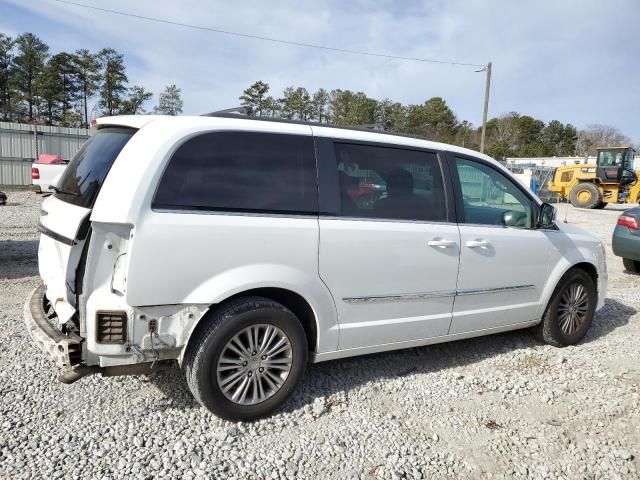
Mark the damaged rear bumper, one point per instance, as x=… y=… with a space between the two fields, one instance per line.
x=65 y=350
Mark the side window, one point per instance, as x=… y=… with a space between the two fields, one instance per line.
x=491 y=198
x=392 y=183
x=241 y=171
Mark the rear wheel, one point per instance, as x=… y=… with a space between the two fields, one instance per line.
x=570 y=311
x=632 y=266
x=247 y=359
x=585 y=195
x=601 y=205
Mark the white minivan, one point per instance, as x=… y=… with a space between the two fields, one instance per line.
x=239 y=249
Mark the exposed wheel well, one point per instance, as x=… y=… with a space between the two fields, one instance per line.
x=590 y=270
x=294 y=302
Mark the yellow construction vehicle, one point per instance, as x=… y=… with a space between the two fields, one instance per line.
x=612 y=179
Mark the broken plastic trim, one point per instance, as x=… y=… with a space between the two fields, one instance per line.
x=74 y=374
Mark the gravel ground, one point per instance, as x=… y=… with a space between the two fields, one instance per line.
x=494 y=407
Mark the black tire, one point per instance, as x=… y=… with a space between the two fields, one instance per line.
x=202 y=356
x=601 y=205
x=632 y=266
x=549 y=330
x=585 y=195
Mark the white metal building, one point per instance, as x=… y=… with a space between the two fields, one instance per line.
x=20 y=145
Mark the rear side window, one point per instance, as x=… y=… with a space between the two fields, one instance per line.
x=85 y=174
x=391 y=183
x=241 y=171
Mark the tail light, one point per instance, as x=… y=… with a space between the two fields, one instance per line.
x=35 y=173
x=628 y=221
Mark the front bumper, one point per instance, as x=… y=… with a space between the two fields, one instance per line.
x=65 y=350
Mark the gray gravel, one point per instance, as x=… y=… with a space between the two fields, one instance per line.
x=494 y=407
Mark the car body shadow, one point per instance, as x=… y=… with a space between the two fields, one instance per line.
x=339 y=377
x=613 y=315
x=173 y=385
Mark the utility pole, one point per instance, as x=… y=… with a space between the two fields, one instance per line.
x=486 y=106
x=35 y=142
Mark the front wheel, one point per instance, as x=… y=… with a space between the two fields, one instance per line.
x=570 y=311
x=247 y=360
x=585 y=195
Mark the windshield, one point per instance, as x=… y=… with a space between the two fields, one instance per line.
x=83 y=177
x=610 y=158
x=616 y=158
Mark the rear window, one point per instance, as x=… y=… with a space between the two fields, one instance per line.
x=85 y=174
x=242 y=171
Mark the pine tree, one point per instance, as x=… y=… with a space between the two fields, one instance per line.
x=49 y=86
x=170 y=101
x=296 y=103
x=137 y=97
x=87 y=69
x=7 y=90
x=254 y=96
x=113 y=85
x=433 y=119
x=69 y=83
x=29 y=62
x=319 y=105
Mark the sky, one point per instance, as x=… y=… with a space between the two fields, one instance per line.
x=576 y=61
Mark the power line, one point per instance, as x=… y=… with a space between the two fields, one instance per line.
x=269 y=39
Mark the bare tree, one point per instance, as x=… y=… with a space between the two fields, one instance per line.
x=596 y=136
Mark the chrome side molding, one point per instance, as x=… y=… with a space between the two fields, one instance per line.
x=478 y=291
x=398 y=297
x=402 y=297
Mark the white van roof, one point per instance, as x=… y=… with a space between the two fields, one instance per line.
x=125 y=190
x=321 y=130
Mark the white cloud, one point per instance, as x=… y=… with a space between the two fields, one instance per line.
x=572 y=61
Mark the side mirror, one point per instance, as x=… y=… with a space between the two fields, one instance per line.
x=547 y=217
x=509 y=218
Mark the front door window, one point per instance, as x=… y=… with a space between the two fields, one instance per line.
x=490 y=198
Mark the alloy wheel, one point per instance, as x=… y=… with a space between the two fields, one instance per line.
x=254 y=364
x=573 y=308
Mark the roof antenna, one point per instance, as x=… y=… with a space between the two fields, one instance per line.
x=566 y=212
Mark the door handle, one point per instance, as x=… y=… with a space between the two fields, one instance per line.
x=477 y=244
x=442 y=243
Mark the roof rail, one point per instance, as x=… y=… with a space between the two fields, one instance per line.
x=237 y=113
x=381 y=127
x=245 y=111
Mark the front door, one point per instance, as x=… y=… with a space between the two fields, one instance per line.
x=389 y=255
x=503 y=259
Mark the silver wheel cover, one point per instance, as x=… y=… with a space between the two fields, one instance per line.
x=254 y=364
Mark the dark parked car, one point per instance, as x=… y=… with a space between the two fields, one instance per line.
x=626 y=239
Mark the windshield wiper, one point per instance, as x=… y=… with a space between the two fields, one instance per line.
x=66 y=192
